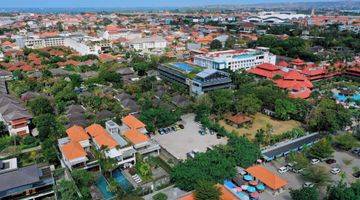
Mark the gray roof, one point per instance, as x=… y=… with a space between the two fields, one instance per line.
x=206 y=73
x=21 y=177
x=11 y=109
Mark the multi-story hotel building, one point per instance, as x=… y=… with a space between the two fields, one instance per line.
x=235 y=59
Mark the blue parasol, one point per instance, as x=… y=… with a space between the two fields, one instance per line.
x=248 y=178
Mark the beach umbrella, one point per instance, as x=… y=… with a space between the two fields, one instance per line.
x=251 y=189
x=255 y=195
x=248 y=178
x=260 y=186
x=253 y=183
x=244 y=187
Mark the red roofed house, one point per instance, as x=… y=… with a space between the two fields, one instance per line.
x=75 y=148
x=135 y=131
x=226 y=194
x=113 y=145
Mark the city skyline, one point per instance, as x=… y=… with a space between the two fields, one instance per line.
x=131 y=4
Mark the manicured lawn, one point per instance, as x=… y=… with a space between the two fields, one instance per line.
x=260 y=121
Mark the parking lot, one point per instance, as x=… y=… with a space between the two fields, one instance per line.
x=344 y=160
x=180 y=142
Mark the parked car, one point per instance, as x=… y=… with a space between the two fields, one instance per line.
x=173 y=128
x=355 y=151
x=356 y=174
x=335 y=170
x=290 y=166
x=308 y=185
x=330 y=161
x=181 y=126
x=315 y=161
x=297 y=170
x=167 y=130
x=282 y=170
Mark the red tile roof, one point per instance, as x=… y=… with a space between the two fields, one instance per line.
x=101 y=136
x=270 y=179
x=73 y=150
x=77 y=133
x=133 y=122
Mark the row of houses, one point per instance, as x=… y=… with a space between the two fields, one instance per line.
x=120 y=143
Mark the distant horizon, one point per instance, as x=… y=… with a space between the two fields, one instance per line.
x=129 y=4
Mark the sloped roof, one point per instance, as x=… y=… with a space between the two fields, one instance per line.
x=133 y=122
x=101 y=136
x=77 y=133
x=73 y=150
x=135 y=137
x=270 y=179
x=21 y=177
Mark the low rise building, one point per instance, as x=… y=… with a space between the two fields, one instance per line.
x=114 y=146
x=135 y=132
x=148 y=44
x=75 y=149
x=30 y=182
x=15 y=117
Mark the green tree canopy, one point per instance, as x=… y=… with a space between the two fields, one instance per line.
x=329 y=116
x=321 y=149
x=215 y=44
x=205 y=190
x=309 y=193
x=40 y=105
x=249 y=104
x=284 y=108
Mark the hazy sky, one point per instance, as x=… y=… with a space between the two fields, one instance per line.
x=125 y=3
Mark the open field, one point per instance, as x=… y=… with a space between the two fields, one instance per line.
x=260 y=121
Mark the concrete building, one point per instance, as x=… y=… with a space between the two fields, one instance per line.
x=235 y=59
x=34 y=42
x=148 y=44
x=199 y=79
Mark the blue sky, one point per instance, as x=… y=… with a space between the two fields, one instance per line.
x=124 y=3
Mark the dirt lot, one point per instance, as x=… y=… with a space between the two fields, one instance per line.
x=260 y=121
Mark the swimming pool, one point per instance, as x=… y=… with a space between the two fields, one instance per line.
x=121 y=180
x=183 y=66
x=103 y=187
x=343 y=98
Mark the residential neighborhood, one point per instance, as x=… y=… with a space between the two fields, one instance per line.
x=170 y=100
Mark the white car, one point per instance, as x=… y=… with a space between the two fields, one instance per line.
x=308 y=185
x=335 y=170
x=282 y=170
x=315 y=161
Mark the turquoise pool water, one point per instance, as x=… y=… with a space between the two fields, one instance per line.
x=123 y=182
x=341 y=97
x=183 y=66
x=103 y=187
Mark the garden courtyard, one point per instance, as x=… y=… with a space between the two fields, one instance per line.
x=261 y=121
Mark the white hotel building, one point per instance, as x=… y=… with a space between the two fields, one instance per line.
x=235 y=59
